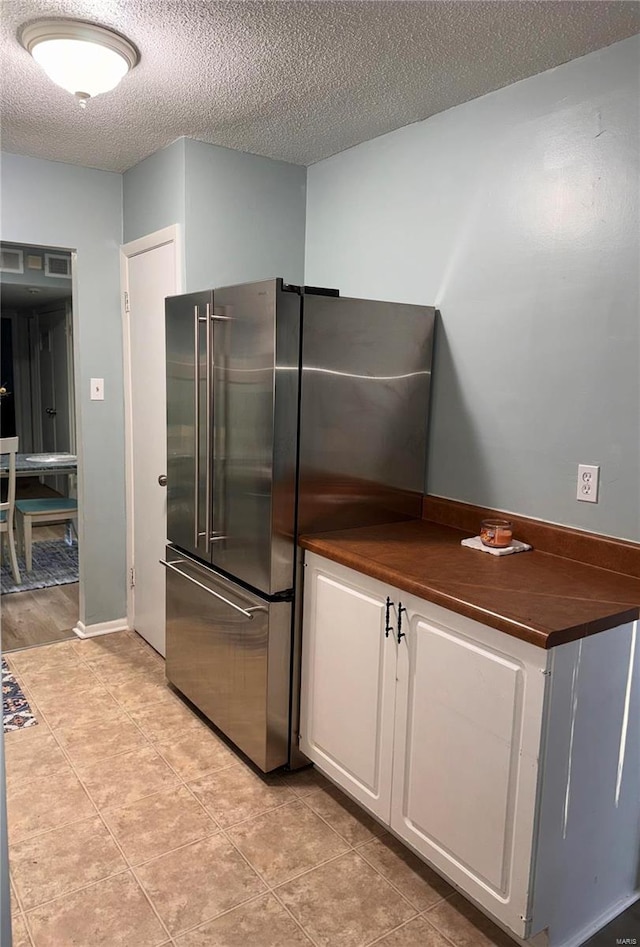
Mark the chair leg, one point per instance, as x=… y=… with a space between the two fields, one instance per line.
x=26 y=536
x=20 y=532
x=12 y=555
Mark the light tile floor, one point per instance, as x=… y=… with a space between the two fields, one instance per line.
x=131 y=824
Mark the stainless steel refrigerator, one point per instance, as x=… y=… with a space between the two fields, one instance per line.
x=289 y=410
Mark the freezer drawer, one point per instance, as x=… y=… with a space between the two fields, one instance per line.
x=228 y=651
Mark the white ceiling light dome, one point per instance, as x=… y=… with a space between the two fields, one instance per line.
x=82 y=58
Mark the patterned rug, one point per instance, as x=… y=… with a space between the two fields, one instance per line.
x=54 y=563
x=16 y=712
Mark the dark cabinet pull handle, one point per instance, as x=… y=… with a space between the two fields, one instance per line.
x=387 y=626
x=401 y=633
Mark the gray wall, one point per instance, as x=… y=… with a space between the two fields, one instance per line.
x=60 y=205
x=517 y=215
x=154 y=192
x=245 y=217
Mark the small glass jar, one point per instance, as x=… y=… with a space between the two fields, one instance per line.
x=496 y=533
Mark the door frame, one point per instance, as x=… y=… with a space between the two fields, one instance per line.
x=159 y=238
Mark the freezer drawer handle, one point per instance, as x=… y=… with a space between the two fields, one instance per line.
x=247 y=612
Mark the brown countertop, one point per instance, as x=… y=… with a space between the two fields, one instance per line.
x=538 y=597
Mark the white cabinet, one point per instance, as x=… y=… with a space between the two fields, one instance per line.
x=467 y=737
x=348 y=683
x=513 y=771
x=436 y=730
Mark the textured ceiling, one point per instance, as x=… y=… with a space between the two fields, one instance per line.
x=292 y=80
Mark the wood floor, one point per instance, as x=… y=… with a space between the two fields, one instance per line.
x=39 y=617
x=33 y=618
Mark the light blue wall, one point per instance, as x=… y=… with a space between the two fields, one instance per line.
x=154 y=192
x=60 y=205
x=517 y=215
x=245 y=217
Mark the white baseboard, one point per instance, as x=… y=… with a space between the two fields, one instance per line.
x=101 y=628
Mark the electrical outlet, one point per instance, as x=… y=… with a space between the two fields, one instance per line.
x=588 y=482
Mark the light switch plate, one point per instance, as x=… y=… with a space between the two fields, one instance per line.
x=97 y=389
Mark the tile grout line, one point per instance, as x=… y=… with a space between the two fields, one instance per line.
x=14 y=890
x=299 y=923
x=270 y=889
x=117 y=844
x=214 y=917
x=395 y=886
x=352 y=848
x=59 y=668
x=181 y=782
x=444 y=936
x=83 y=887
x=352 y=845
x=355 y=848
x=172 y=851
x=131 y=871
x=26 y=927
x=381 y=938
x=233 y=825
x=222 y=830
x=436 y=926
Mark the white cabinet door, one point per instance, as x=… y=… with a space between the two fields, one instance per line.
x=468 y=723
x=348 y=682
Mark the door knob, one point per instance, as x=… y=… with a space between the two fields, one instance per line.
x=162 y=480
x=51 y=412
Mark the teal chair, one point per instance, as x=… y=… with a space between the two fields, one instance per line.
x=43 y=510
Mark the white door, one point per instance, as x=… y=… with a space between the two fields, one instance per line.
x=468 y=723
x=55 y=372
x=348 y=682
x=47 y=406
x=62 y=353
x=150 y=274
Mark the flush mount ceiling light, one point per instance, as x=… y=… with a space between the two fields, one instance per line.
x=82 y=58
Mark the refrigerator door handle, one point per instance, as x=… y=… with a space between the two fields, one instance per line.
x=214 y=450
x=196 y=414
x=206 y=532
x=247 y=612
x=209 y=389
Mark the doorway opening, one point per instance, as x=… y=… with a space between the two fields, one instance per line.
x=40 y=604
